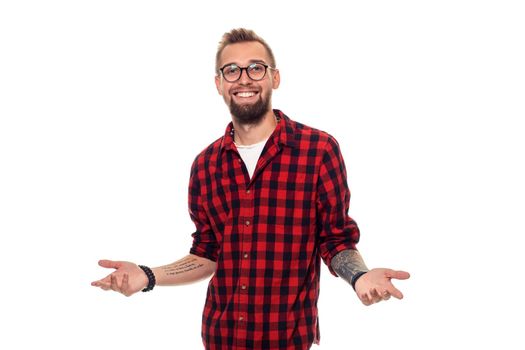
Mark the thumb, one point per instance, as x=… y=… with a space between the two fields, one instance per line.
x=110 y=264
x=399 y=275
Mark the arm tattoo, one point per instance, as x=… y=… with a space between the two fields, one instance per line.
x=348 y=263
x=181 y=266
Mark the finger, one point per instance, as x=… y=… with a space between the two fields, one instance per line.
x=374 y=296
x=398 y=275
x=114 y=283
x=364 y=299
x=378 y=296
x=385 y=295
x=125 y=286
x=396 y=293
x=110 y=264
x=106 y=281
x=101 y=284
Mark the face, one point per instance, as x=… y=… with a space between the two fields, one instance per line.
x=247 y=99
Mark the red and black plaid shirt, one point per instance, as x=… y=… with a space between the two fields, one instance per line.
x=268 y=234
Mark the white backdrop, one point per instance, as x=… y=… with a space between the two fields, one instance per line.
x=104 y=105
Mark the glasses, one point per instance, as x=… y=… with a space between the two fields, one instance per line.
x=255 y=71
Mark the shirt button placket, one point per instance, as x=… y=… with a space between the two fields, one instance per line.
x=246 y=230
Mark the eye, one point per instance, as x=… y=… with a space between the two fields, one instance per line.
x=256 y=67
x=231 y=70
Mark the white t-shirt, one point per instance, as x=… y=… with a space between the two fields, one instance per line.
x=250 y=155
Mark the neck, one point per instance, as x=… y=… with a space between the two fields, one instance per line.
x=249 y=134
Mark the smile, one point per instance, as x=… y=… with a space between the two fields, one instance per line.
x=245 y=94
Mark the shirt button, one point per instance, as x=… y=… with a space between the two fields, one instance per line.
x=243 y=287
x=239 y=160
x=246 y=255
x=241 y=318
x=248 y=191
x=247 y=222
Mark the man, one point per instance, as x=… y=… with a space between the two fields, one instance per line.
x=269 y=200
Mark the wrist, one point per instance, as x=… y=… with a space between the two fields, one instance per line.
x=356 y=277
x=151 y=278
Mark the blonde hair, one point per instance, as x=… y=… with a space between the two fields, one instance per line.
x=240 y=35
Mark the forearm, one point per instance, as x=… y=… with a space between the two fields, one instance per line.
x=189 y=269
x=348 y=264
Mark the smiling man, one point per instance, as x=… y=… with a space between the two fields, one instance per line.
x=247 y=95
x=269 y=200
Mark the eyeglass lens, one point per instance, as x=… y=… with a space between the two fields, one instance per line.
x=256 y=71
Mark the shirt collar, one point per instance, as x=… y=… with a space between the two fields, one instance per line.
x=283 y=134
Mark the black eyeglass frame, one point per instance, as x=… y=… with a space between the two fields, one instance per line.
x=247 y=71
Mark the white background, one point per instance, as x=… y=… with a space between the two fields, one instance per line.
x=104 y=105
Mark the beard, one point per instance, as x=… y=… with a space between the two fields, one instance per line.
x=250 y=114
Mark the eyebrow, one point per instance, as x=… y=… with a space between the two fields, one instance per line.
x=250 y=61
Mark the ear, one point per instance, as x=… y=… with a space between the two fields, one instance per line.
x=218 y=84
x=276 y=78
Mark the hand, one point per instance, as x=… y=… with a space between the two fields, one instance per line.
x=375 y=285
x=127 y=279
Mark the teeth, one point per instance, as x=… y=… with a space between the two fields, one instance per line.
x=246 y=94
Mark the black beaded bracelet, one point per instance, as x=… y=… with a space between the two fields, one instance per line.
x=151 y=278
x=356 y=277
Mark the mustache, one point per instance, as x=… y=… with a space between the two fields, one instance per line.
x=244 y=89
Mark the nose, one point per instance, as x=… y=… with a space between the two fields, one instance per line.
x=244 y=79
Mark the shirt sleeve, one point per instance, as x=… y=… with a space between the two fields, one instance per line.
x=204 y=240
x=337 y=231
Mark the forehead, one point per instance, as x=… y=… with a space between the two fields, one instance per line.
x=244 y=53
